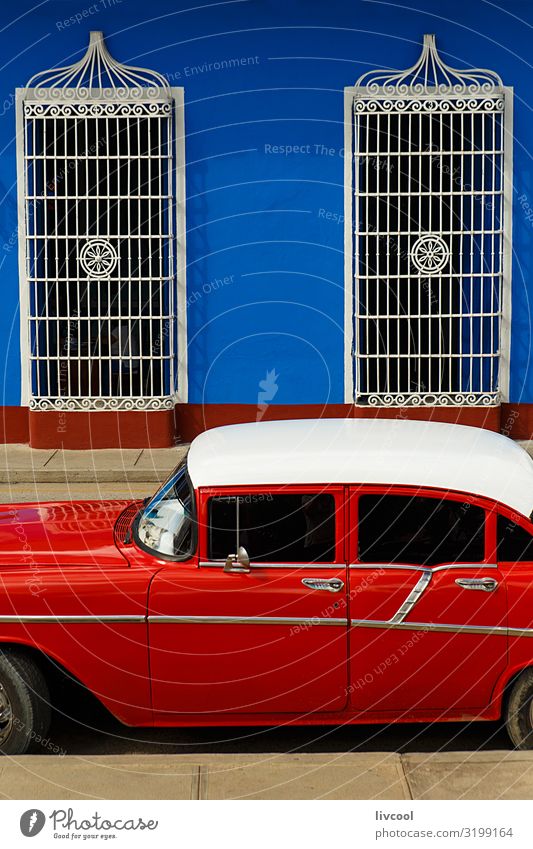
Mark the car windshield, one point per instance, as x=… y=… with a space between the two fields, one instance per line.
x=167 y=521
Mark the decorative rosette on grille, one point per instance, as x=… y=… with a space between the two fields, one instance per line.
x=430 y=254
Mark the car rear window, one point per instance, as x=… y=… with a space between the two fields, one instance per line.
x=419 y=530
x=514 y=543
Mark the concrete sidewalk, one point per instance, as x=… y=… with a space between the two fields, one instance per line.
x=381 y=776
x=22 y=464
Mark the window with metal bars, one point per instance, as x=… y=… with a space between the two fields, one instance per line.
x=99 y=228
x=428 y=235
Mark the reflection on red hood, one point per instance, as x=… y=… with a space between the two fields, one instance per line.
x=60 y=533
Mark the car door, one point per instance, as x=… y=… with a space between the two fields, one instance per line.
x=514 y=535
x=269 y=640
x=428 y=604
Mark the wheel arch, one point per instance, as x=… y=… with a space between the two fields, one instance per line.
x=53 y=668
x=505 y=684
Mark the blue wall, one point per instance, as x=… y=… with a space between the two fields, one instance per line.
x=264 y=227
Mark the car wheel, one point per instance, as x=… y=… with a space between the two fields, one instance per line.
x=519 y=718
x=24 y=703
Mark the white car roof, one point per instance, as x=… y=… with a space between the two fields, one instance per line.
x=320 y=451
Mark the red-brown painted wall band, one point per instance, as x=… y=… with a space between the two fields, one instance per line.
x=162 y=428
x=14 y=426
x=192 y=419
x=105 y=429
x=516 y=420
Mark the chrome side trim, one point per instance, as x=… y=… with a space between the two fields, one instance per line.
x=398 y=618
x=378 y=566
x=245 y=620
x=275 y=620
x=70 y=619
x=408 y=567
x=413 y=596
x=444 y=627
x=296 y=566
x=520 y=632
x=465 y=566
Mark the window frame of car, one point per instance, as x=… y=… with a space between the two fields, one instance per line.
x=504 y=512
x=336 y=490
x=422 y=492
x=192 y=554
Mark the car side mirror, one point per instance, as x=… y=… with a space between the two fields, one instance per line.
x=239 y=562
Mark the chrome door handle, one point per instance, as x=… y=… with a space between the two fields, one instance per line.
x=487 y=585
x=330 y=585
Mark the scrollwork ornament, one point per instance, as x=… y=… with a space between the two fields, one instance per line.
x=98 y=73
x=430 y=399
x=96 y=404
x=430 y=75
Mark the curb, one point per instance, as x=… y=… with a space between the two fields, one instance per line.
x=84 y=476
x=377 y=776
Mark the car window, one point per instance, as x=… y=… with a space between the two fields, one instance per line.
x=166 y=525
x=514 y=543
x=293 y=528
x=419 y=530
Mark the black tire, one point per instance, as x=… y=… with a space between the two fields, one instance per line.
x=28 y=703
x=519 y=715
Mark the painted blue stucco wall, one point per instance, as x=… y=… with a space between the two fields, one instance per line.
x=264 y=225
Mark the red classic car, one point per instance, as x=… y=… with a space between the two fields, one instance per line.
x=310 y=572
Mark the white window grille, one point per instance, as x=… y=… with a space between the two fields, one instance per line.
x=428 y=262
x=97 y=183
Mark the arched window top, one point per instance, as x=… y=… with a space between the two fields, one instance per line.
x=98 y=75
x=98 y=217
x=428 y=253
x=430 y=75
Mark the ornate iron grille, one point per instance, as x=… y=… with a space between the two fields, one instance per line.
x=99 y=229
x=428 y=234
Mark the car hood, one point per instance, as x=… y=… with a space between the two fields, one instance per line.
x=60 y=533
